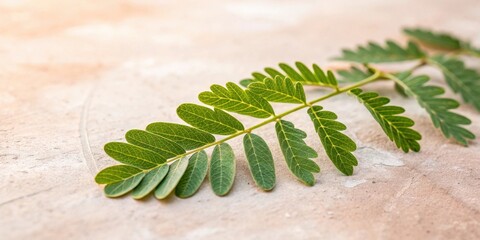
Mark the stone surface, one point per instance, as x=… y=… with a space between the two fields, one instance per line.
x=77 y=74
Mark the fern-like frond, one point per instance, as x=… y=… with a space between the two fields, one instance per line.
x=397 y=128
x=338 y=146
x=438 y=108
x=280 y=89
x=296 y=152
x=213 y=121
x=234 y=99
x=434 y=39
x=374 y=53
x=461 y=79
x=303 y=74
x=441 y=40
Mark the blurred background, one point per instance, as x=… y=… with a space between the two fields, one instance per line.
x=77 y=74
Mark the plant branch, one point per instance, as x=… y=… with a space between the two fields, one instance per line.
x=373 y=77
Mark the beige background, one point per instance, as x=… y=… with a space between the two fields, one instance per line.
x=81 y=73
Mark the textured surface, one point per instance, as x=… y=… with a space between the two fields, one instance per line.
x=81 y=73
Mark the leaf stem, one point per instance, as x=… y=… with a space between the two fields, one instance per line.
x=375 y=76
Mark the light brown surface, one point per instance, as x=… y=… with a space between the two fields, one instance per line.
x=74 y=72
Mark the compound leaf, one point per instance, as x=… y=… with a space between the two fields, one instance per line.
x=438 y=108
x=194 y=175
x=213 y=121
x=296 y=152
x=337 y=145
x=397 y=128
x=150 y=181
x=121 y=188
x=374 y=53
x=260 y=161
x=280 y=89
x=222 y=169
x=116 y=173
x=461 y=79
x=434 y=39
x=185 y=136
x=234 y=99
x=150 y=141
x=133 y=155
x=171 y=180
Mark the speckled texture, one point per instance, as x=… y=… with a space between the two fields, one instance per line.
x=81 y=73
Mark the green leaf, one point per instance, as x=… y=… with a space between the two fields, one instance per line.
x=438 y=108
x=280 y=89
x=461 y=79
x=397 y=128
x=150 y=182
x=171 y=180
x=121 y=188
x=213 y=121
x=296 y=152
x=338 y=146
x=194 y=175
x=187 y=137
x=434 y=39
x=303 y=74
x=235 y=99
x=162 y=146
x=133 y=155
x=353 y=74
x=260 y=161
x=222 y=169
x=374 y=53
x=116 y=173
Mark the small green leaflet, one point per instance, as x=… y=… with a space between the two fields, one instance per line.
x=434 y=39
x=235 y=99
x=116 y=173
x=337 y=145
x=187 y=137
x=150 y=182
x=246 y=82
x=374 y=53
x=213 y=121
x=194 y=175
x=280 y=89
x=162 y=146
x=133 y=155
x=222 y=169
x=353 y=74
x=438 y=108
x=304 y=75
x=461 y=79
x=171 y=180
x=260 y=161
x=121 y=188
x=296 y=152
x=397 y=128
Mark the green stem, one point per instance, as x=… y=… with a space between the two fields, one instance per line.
x=375 y=76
